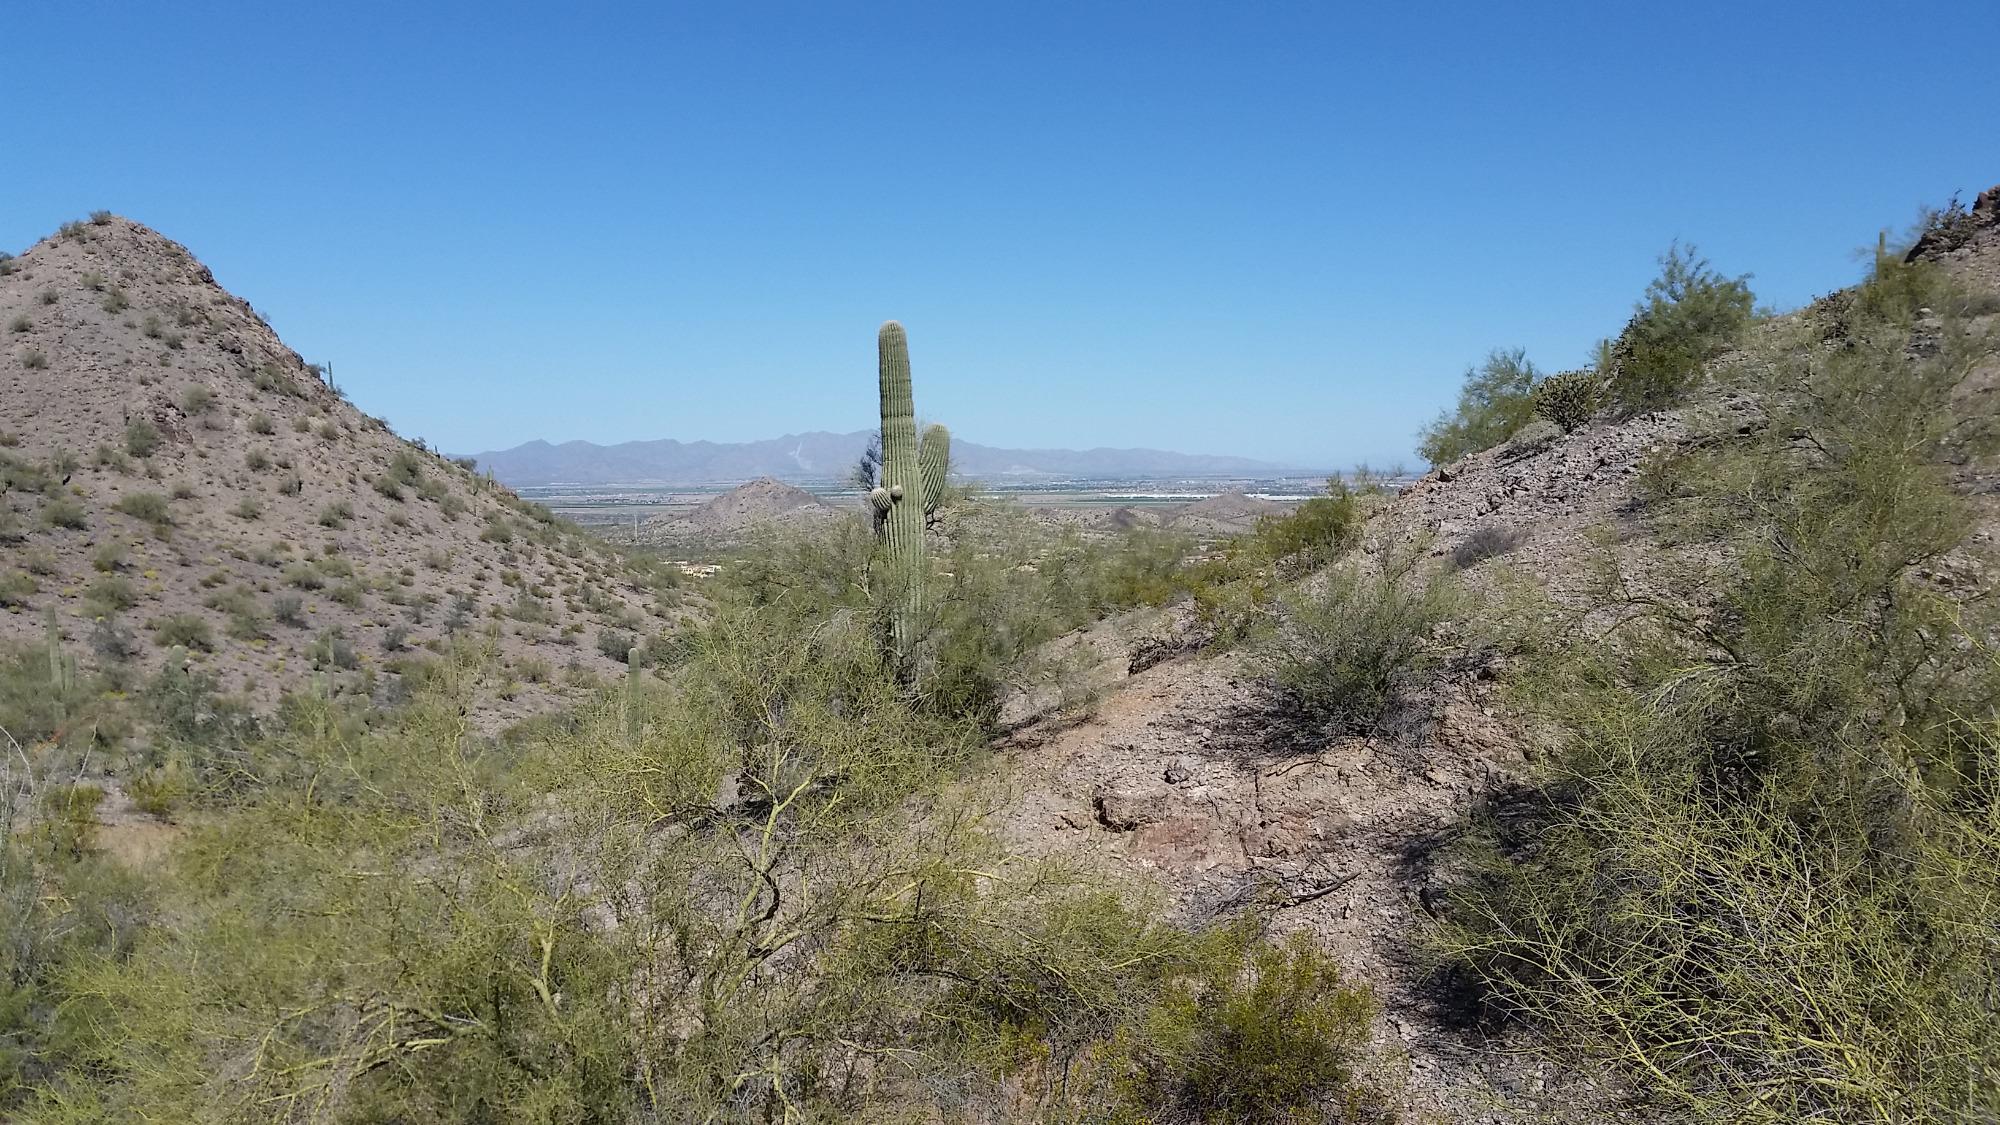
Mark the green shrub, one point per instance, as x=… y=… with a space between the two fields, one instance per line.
x=148 y=506
x=110 y=594
x=260 y=423
x=197 y=399
x=188 y=630
x=62 y=511
x=1689 y=315
x=616 y=645
x=1497 y=399
x=142 y=438
x=16 y=588
x=247 y=509
x=336 y=514
x=1269 y=1042
x=1313 y=534
x=1346 y=646
x=331 y=650
x=110 y=556
x=289 y=610
x=1569 y=398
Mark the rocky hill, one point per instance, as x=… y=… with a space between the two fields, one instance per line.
x=759 y=505
x=178 y=482
x=1230 y=513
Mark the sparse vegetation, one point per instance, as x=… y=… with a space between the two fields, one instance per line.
x=197 y=399
x=336 y=514
x=1762 y=869
x=184 y=630
x=64 y=512
x=1337 y=660
x=148 y=506
x=142 y=438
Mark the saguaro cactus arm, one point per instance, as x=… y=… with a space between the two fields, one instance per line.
x=933 y=465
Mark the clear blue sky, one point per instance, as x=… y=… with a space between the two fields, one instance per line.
x=1278 y=230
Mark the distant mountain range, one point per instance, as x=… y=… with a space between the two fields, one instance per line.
x=821 y=456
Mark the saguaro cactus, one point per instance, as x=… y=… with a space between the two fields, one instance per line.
x=912 y=483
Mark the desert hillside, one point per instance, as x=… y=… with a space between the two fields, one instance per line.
x=179 y=482
x=1633 y=764
x=1206 y=774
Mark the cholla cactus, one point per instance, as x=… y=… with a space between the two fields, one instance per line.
x=912 y=484
x=1569 y=398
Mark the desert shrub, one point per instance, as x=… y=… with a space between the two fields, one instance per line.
x=16 y=588
x=110 y=594
x=34 y=359
x=148 y=506
x=1264 y=1038
x=21 y=323
x=336 y=514
x=115 y=301
x=188 y=630
x=1488 y=540
x=386 y=485
x=247 y=509
x=1762 y=868
x=1689 y=315
x=62 y=511
x=616 y=645
x=260 y=423
x=289 y=610
x=1496 y=399
x=110 y=556
x=331 y=649
x=142 y=438
x=1346 y=645
x=1315 y=533
x=1569 y=398
x=182 y=490
x=197 y=399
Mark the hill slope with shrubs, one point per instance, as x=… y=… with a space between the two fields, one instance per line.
x=180 y=487
x=1640 y=763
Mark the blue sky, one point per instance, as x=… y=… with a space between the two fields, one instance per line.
x=1277 y=230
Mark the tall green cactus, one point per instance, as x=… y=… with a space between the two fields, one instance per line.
x=912 y=484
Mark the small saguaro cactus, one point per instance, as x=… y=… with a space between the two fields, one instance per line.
x=912 y=483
